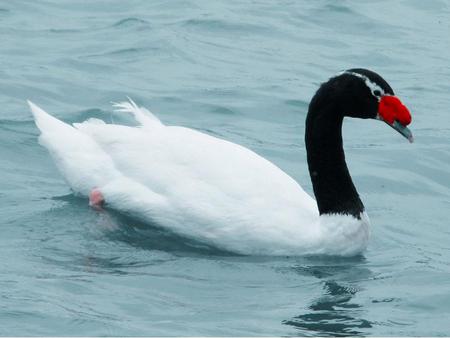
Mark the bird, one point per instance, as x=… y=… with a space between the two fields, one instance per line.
x=211 y=190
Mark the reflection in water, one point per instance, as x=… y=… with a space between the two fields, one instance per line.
x=120 y=227
x=334 y=313
x=152 y=237
x=100 y=246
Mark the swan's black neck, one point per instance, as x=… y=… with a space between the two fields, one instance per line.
x=333 y=186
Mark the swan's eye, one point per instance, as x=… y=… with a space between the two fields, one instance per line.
x=377 y=93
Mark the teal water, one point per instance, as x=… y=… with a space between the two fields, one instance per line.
x=244 y=71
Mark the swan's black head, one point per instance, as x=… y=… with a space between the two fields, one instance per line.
x=354 y=93
x=364 y=94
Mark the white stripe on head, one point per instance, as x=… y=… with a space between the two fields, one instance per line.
x=370 y=84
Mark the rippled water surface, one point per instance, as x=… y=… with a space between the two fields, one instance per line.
x=244 y=71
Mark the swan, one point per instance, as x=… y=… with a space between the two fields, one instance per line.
x=221 y=193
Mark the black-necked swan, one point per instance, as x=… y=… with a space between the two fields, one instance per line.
x=219 y=192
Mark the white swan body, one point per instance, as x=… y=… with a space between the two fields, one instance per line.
x=196 y=185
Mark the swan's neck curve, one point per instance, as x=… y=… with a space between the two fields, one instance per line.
x=333 y=187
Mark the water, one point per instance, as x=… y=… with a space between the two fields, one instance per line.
x=245 y=72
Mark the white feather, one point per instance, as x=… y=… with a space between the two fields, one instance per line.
x=142 y=115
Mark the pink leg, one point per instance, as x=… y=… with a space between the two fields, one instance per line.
x=96 y=199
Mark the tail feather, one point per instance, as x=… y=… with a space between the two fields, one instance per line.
x=142 y=115
x=80 y=159
x=45 y=122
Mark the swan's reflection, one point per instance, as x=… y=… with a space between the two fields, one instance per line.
x=335 y=312
x=126 y=229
